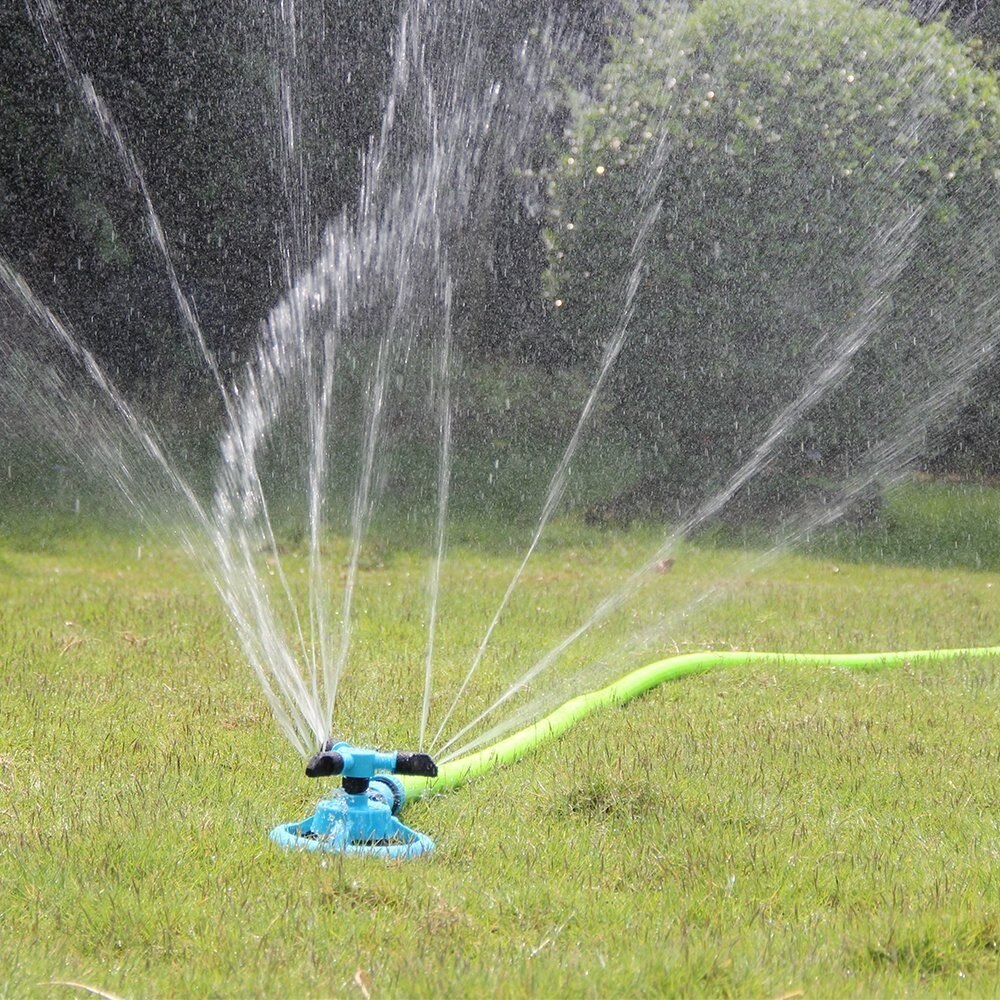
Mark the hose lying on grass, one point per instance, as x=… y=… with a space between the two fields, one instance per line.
x=513 y=747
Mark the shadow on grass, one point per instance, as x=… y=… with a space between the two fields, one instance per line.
x=934 y=951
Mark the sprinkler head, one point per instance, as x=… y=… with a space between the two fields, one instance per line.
x=360 y=816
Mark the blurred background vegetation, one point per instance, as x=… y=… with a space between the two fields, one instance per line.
x=795 y=142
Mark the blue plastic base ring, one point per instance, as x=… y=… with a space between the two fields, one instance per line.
x=361 y=824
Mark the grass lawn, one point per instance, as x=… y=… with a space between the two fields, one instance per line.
x=757 y=832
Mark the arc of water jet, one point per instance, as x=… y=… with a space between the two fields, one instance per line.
x=882 y=460
x=106 y=386
x=896 y=243
x=447 y=126
x=153 y=448
x=649 y=211
x=47 y=18
x=110 y=128
x=557 y=486
x=414 y=221
x=444 y=473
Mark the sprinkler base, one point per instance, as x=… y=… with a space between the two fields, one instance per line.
x=361 y=823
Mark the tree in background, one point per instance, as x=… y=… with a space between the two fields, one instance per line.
x=792 y=137
x=978 y=18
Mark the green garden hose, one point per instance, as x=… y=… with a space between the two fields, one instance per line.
x=513 y=747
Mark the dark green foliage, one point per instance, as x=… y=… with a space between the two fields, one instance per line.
x=797 y=141
x=975 y=19
x=193 y=86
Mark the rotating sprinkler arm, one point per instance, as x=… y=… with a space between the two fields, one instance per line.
x=360 y=764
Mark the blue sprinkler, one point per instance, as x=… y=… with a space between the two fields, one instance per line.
x=360 y=816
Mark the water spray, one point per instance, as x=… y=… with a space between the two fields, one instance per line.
x=361 y=817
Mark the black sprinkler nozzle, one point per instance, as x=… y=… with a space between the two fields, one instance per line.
x=325 y=764
x=415 y=763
